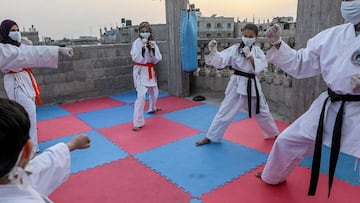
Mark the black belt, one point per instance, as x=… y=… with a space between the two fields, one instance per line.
x=250 y=76
x=335 y=143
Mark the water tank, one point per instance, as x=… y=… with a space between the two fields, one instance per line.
x=128 y=23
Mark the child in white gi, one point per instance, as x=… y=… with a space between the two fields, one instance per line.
x=23 y=179
x=243 y=92
x=335 y=54
x=145 y=53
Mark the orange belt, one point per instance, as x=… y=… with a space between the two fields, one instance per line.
x=150 y=66
x=35 y=85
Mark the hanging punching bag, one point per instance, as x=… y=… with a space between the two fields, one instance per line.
x=188 y=41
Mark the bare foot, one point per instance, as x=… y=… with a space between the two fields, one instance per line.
x=271 y=138
x=154 y=111
x=258 y=175
x=203 y=141
x=136 y=128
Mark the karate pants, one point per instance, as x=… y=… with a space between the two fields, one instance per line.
x=230 y=107
x=29 y=105
x=288 y=151
x=138 y=118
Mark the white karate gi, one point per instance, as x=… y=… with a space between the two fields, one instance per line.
x=51 y=169
x=142 y=81
x=18 y=86
x=329 y=53
x=236 y=92
x=13 y=58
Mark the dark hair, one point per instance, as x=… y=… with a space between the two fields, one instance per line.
x=14 y=133
x=252 y=27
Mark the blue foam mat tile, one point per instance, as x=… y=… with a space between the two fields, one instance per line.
x=130 y=97
x=198 y=170
x=50 y=112
x=100 y=152
x=199 y=117
x=344 y=168
x=109 y=116
x=195 y=201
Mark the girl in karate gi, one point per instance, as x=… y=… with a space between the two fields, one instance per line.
x=243 y=92
x=145 y=53
x=335 y=115
x=23 y=179
x=20 y=85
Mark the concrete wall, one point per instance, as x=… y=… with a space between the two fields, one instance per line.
x=313 y=17
x=94 y=71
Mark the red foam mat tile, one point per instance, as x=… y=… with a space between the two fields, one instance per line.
x=60 y=127
x=125 y=180
x=91 y=105
x=156 y=132
x=248 y=133
x=248 y=188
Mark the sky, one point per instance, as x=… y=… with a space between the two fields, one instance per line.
x=73 y=18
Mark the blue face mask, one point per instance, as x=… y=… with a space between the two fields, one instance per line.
x=248 y=41
x=15 y=35
x=350 y=11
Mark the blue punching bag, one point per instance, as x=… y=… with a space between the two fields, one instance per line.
x=188 y=41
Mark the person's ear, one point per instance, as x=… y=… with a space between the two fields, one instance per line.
x=26 y=155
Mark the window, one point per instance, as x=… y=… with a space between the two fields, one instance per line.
x=229 y=35
x=208 y=25
x=218 y=35
x=286 y=26
x=219 y=25
x=208 y=35
x=229 y=25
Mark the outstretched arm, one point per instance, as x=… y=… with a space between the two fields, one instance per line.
x=303 y=63
x=52 y=167
x=14 y=58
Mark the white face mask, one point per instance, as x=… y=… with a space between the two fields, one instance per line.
x=350 y=11
x=15 y=35
x=248 y=41
x=145 y=35
x=19 y=176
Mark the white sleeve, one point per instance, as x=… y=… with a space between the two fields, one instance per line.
x=14 y=58
x=136 y=53
x=157 y=57
x=260 y=61
x=222 y=59
x=51 y=169
x=303 y=63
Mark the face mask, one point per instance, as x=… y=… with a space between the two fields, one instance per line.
x=248 y=41
x=350 y=11
x=19 y=176
x=145 y=35
x=15 y=35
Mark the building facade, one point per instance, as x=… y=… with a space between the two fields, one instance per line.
x=216 y=27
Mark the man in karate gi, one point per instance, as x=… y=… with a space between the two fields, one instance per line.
x=23 y=179
x=334 y=117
